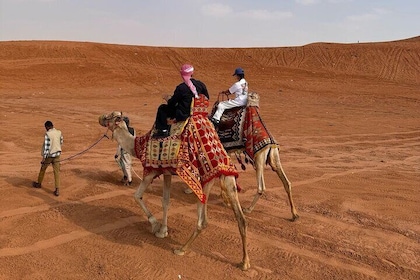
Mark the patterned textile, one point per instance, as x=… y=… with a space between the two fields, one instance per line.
x=201 y=156
x=256 y=134
x=243 y=128
x=231 y=128
x=163 y=152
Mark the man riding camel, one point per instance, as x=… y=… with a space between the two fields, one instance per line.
x=240 y=89
x=178 y=107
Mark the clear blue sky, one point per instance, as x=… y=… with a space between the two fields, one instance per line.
x=205 y=23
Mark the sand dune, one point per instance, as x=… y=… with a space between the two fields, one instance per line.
x=346 y=117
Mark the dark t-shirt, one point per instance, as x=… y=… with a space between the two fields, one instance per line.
x=179 y=106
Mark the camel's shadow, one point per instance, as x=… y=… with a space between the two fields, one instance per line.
x=98 y=175
x=121 y=225
x=117 y=224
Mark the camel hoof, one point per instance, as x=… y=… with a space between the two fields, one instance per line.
x=246 y=210
x=244 y=266
x=161 y=235
x=294 y=218
x=179 y=252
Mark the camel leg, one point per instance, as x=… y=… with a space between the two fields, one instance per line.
x=229 y=184
x=274 y=161
x=259 y=169
x=201 y=223
x=163 y=232
x=138 y=197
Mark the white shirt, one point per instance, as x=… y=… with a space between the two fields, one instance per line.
x=240 y=89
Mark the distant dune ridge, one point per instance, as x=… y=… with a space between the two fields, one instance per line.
x=84 y=64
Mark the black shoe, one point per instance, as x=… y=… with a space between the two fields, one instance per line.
x=161 y=134
x=56 y=192
x=36 y=185
x=215 y=122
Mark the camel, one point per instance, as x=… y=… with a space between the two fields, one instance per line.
x=270 y=155
x=120 y=133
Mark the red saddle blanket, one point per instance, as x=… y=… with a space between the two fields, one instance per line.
x=243 y=128
x=200 y=156
x=255 y=133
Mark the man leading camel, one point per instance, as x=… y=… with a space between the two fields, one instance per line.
x=51 y=151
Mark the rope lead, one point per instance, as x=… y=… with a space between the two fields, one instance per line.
x=84 y=151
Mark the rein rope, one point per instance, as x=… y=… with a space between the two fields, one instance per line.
x=222 y=97
x=90 y=147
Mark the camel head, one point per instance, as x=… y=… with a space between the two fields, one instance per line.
x=112 y=121
x=253 y=99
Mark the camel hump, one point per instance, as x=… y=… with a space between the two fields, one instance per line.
x=253 y=99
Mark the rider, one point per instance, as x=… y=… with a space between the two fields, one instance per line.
x=240 y=89
x=178 y=107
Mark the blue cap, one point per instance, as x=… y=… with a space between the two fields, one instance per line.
x=239 y=71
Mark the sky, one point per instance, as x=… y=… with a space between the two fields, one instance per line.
x=208 y=23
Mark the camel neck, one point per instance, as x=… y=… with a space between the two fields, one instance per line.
x=124 y=139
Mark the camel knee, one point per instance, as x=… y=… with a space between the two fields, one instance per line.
x=138 y=198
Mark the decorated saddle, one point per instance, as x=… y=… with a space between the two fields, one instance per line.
x=231 y=127
x=193 y=150
x=243 y=128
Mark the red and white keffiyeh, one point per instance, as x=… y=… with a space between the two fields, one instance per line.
x=187 y=71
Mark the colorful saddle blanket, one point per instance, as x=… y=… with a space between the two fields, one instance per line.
x=163 y=152
x=195 y=153
x=243 y=128
x=256 y=134
x=231 y=128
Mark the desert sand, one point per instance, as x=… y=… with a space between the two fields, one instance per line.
x=346 y=117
